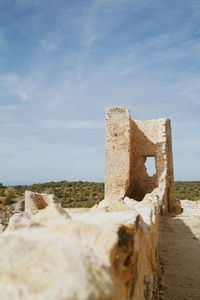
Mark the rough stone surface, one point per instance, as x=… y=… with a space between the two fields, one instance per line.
x=118 y=134
x=108 y=252
x=18 y=206
x=52 y=254
x=1 y=227
x=35 y=201
x=128 y=144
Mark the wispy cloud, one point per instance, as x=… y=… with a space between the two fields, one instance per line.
x=13 y=84
x=66 y=62
x=89 y=124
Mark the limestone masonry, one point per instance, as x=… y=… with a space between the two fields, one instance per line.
x=110 y=251
x=128 y=144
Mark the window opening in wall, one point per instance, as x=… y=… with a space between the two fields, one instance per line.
x=150 y=165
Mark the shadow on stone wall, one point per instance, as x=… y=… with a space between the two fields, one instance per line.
x=141 y=148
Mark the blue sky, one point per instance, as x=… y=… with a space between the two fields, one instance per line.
x=62 y=63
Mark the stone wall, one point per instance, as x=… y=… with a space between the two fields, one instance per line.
x=55 y=254
x=108 y=252
x=128 y=144
x=118 y=152
x=35 y=201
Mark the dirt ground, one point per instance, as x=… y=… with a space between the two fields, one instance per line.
x=180 y=253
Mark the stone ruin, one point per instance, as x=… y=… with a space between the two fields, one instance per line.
x=128 y=144
x=36 y=201
x=108 y=252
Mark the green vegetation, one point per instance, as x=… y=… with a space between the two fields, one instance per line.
x=187 y=190
x=2 y=190
x=71 y=194
x=9 y=198
x=85 y=194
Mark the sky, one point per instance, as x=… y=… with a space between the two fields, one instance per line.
x=63 y=62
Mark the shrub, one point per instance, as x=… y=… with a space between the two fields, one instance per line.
x=8 y=199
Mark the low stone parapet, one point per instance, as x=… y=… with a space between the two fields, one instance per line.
x=52 y=253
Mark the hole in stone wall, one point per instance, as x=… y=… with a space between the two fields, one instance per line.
x=144 y=178
x=150 y=165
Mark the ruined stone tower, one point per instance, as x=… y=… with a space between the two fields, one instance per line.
x=128 y=144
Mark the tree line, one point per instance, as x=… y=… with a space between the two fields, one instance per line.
x=84 y=193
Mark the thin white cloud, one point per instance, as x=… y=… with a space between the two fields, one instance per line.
x=72 y=77
x=89 y=124
x=13 y=84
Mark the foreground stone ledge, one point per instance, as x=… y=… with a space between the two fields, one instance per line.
x=55 y=254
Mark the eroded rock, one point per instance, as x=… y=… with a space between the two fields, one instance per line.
x=108 y=252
